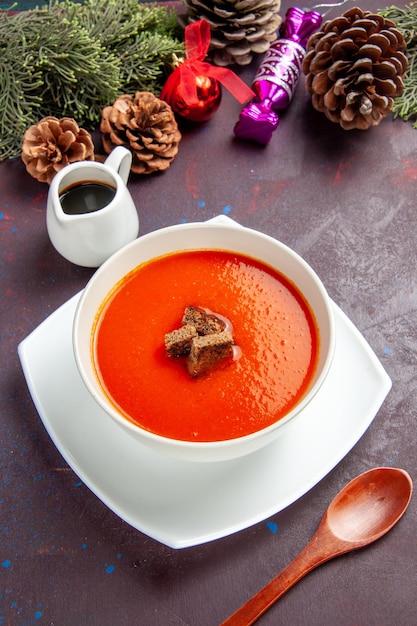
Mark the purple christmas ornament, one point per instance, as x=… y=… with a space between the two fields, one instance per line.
x=277 y=76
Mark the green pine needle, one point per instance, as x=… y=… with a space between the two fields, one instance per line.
x=405 y=106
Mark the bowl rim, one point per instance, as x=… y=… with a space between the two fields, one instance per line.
x=221 y=222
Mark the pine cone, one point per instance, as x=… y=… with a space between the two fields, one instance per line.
x=355 y=67
x=144 y=124
x=53 y=143
x=239 y=28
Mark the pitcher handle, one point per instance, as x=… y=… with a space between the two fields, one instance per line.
x=120 y=160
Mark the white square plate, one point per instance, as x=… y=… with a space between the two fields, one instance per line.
x=181 y=503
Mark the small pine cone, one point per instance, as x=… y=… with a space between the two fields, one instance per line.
x=239 y=28
x=53 y=143
x=355 y=67
x=145 y=125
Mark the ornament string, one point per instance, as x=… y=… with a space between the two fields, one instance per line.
x=328 y=5
x=197 y=42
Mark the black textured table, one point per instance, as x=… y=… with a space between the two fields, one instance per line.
x=346 y=201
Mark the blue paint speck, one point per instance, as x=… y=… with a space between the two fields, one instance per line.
x=109 y=569
x=272 y=527
x=84 y=545
x=118 y=555
x=38 y=614
x=227 y=209
x=387 y=351
x=79 y=484
x=201 y=203
x=1 y=216
x=6 y=564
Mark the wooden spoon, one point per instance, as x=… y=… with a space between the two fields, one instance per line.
x=367 y=508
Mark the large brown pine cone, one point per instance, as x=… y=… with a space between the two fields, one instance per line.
x=355 y=67
x=144 y=124
x=239 y=28
x=53 y=143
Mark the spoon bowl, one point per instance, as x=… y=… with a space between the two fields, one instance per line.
x=369 y=506
x=365 y=510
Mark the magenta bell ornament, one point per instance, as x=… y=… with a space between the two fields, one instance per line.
x=277 y=76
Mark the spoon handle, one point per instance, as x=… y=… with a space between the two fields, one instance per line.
x=309 y=558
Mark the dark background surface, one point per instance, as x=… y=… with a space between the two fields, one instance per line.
x=346 y=201
x=23 y=5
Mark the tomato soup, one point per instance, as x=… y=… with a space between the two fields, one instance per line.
x=272 y=325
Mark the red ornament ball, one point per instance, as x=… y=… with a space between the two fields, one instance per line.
x=209 y=95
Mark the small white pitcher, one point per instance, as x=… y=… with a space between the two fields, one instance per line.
x=89 y=238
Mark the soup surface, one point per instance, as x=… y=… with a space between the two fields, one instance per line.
x=272 y=326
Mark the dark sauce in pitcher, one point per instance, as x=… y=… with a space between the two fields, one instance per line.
x=86 y=197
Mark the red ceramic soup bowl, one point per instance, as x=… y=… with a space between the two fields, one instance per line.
x=220 y=234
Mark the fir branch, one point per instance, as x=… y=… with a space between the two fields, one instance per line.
x=19 y=100
x=144 y=39
x=405 y=106
x=72 y=59
x=145 y=61
x=78 y=75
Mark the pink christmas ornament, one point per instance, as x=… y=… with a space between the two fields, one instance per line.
x=277 y=76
